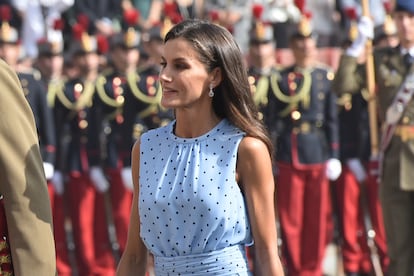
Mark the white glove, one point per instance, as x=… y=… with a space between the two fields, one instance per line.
x=357 y=169
x=57 y=181
x=49 y=170
x=99 y=180
x=365 y=32
x=333 y=169
x=127 y=178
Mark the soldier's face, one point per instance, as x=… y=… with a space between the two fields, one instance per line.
x=405 y=25
x=155 y=49
x=304 y=48
x=10 y=53
x=118 y=57
x=125 y=59
x=262 y=55
x=50 y=66
x=132 y=56
x=87 y=62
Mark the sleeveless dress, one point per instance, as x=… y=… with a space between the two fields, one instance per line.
x=193 y=216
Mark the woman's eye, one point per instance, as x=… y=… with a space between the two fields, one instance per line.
x=180 y=66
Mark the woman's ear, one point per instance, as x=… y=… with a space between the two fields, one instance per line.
x=216 y=77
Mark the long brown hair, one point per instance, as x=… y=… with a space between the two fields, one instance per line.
x=232 y=99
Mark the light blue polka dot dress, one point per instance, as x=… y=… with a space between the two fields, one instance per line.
x=192 y=211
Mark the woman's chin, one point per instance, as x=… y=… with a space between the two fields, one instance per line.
x=168 y=103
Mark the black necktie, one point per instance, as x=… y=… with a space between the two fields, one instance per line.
x=408 y=60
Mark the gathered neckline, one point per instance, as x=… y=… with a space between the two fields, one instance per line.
x=195 y=139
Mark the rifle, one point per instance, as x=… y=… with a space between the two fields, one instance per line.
x=373 y=126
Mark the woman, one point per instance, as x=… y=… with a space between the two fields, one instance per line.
x=203 y=185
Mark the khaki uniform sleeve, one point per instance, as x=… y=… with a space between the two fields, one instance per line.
x=23 y=184
x=348 y=77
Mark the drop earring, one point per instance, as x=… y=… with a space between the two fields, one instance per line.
x=211 y=92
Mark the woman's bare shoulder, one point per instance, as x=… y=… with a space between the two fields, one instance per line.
x=251 y=146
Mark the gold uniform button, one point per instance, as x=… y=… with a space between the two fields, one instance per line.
x=78 y=87
x=150 y=81
x=293 y=86
x=107 y=130
x=296 y=115
x=24 y=82
x=120 y=99
x=117 y=81
x=151 y=91
x=406 y=120
x=251 y=79
x=330 y=75
x=83 y=124
x=119 y=90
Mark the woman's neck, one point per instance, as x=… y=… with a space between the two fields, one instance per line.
x=194 y=124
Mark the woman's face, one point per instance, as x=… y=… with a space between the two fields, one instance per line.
x=184 y=79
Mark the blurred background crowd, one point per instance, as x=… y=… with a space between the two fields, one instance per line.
x=89 y=69
x=37 y=20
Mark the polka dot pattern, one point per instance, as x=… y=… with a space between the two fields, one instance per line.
x=189 y=201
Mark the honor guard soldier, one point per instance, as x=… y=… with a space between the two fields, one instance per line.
x=357 y=188
x=262 y=67
x=261 y=60
x=393 y=76
x=303 y=116
x=142 y=109
x=86 y=183
x=10 y=50
x=49 y=62
x=124 y=55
